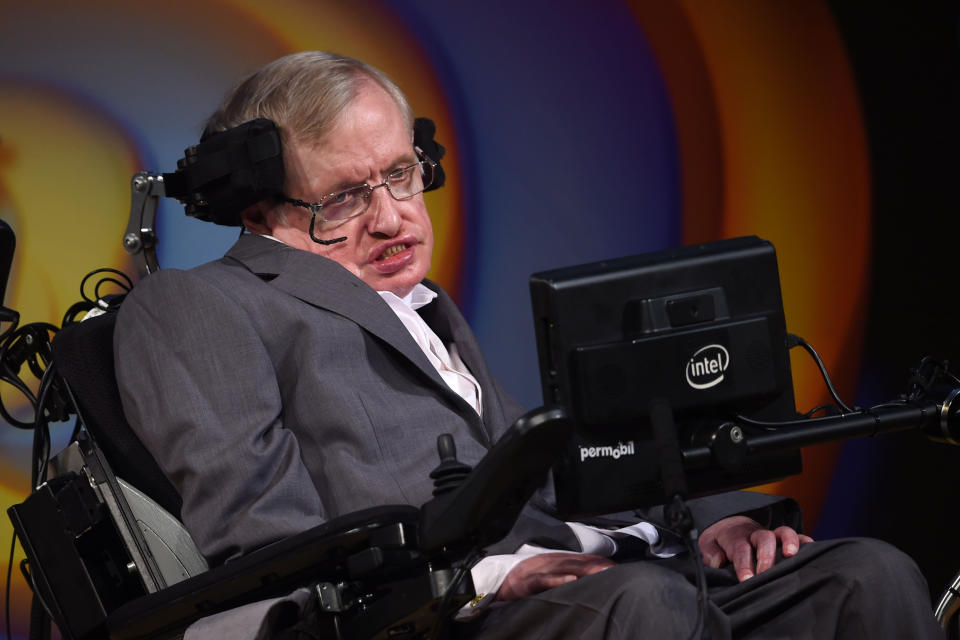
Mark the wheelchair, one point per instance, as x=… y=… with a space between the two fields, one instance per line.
x=108 y=557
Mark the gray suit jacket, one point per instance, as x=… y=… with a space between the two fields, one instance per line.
x=277 y=390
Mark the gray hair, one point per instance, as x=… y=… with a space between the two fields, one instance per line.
x=303 y=93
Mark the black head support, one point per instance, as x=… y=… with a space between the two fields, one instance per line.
x=230 y=170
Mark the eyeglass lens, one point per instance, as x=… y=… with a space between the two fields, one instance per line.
x=402 y=184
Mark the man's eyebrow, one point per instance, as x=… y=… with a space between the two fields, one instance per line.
x=403 y=160
x=342 y=185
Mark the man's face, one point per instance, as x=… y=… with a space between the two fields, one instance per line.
x=389 y=246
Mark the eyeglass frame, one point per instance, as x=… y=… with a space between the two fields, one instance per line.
x=316 y=208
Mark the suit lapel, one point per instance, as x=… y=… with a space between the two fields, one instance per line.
x=324 y=283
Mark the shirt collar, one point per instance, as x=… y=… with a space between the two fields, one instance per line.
x=419 y=296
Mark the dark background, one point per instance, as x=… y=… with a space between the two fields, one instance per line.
x=906 y=59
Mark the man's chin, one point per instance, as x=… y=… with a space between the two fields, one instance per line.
x=399 y=290
x=399 y=284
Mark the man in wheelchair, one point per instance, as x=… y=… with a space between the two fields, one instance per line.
x=307 y=374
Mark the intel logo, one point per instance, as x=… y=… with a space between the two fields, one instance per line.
x=705 y=367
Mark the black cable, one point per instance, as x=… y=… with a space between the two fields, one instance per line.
x=52 y=404
x=818 y=409
x=13 y=545
x=126 y=285
x=772 y=426
x=797 y=340
x=18 y=384
x=13 y=318
x=98 y=300
x=42 y=429
x=744 y=420
x=40 y=617
x=888 y=405
x=699 y=629
x=24 y=346
x=442 y=613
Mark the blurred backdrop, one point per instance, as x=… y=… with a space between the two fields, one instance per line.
x=575 y=132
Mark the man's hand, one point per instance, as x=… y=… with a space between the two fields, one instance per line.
x=750 y=547
x=548 y=570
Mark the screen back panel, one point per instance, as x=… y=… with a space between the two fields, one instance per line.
x=700 y=326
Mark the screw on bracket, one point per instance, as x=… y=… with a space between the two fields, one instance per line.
x=131 y=242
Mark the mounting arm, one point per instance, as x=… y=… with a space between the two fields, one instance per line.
x=140 y=238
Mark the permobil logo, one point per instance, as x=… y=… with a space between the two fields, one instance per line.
x=608 y=451
x=705 y=367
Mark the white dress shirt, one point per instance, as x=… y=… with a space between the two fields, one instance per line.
x=445 y=360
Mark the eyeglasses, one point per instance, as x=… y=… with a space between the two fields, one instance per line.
x=402 y=184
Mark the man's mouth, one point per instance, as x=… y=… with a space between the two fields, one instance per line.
x=391 y=251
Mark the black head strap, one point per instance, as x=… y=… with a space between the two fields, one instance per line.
x=233 y=169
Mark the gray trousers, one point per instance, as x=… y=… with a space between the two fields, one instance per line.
x=848 y=588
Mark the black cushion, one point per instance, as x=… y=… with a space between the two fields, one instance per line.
x=83 y=353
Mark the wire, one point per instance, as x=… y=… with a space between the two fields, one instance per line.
x=13 y=317
x=22 y=388
x=30 y=345
x=786 y=423
x=797 y=340
x=13 y=545
x=699 y=629
x=442 y=612
x=772 y=426
x=818 y=409
x=48 y=393
x=99 y=299
x=38 y=619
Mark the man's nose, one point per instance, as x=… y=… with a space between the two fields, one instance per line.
x=384 y=214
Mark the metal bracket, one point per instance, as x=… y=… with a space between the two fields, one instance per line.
x=140 y=238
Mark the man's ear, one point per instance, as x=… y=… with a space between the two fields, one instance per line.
x=258 y=218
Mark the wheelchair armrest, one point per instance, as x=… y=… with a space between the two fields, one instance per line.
x=338 y=550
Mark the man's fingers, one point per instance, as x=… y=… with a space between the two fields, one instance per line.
x=549 y=581
x=789 y=540
x=573 y=564
x=597 y=567
x=712 y=553
x=765 y=542
x=751 y=548
x=742 y=556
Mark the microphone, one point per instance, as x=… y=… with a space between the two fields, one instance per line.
x=313 y=236
x=326 y=242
